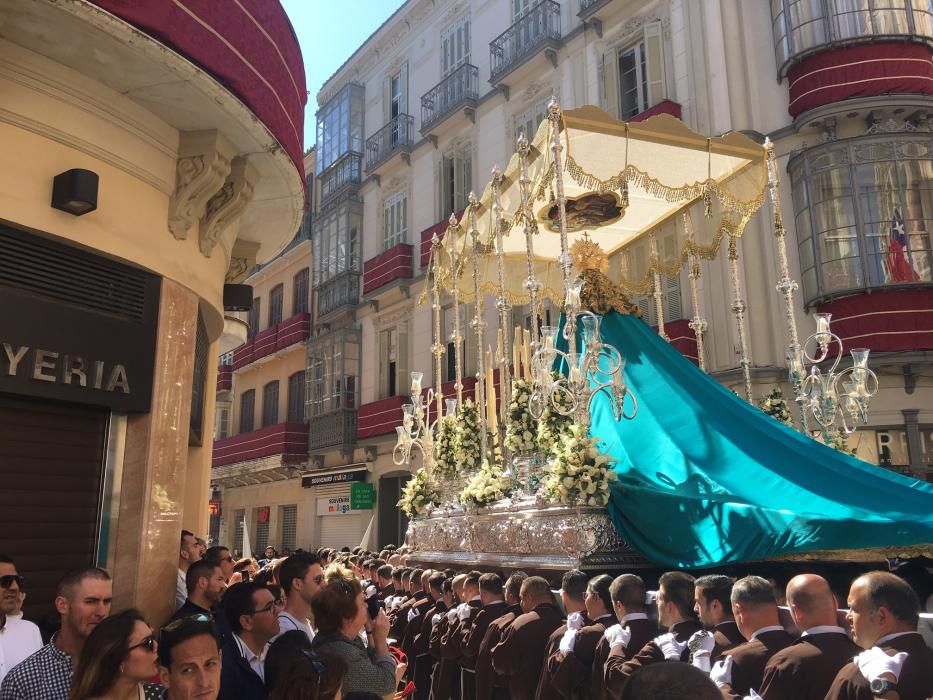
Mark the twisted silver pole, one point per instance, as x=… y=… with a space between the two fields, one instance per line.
x=505 y=316
x=656 y=279
x=478 y=327
x=437 y=348
x=451 y=236
x=738 y=309
x=697 y=323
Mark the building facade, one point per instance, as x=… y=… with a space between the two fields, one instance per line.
x=169 y=144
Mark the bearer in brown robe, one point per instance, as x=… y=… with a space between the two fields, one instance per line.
x=805 y=670
x=493 y=607
x=741 y=669
x=490 y=684
x=713 y=596
x=572 y=596
x=416 y=615
x=416 y=595
x=675 y=612
x=520 y=654
x=444 y=681
x=420 y=656
x=573 y=663
x=884 y=612
x=452 y=641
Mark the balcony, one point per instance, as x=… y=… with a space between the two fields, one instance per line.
x=272 y=340
x=663 y=107
x=393 y=264
x=344 y=175
x=395 y=137
x=589 y=8
x=896 y=321
x=224 y=377
x=338 y=292
x=332 y=430
x=289 y=440
x=537 y=31
x=459 y=90
x=380 y=417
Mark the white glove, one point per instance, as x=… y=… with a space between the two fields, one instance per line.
x=618 y=635
x=451 y=616
x=874 y=663
x=464 y=612
x=722 y=672
x=370 y=591
x=413 y=613
x=752 y=695
x=436 y=618
x=575 y=621
x=392 y=602
x=701 y=645
x=670 y=647
x=567 y=642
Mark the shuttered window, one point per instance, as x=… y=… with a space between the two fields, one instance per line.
x=393 y=361
x=270 y=404
x=456 y=180
x=248 y=411
x=395 y=220
x=254 y=316
x=633 y=75
x=261 y=536
x=275 y=305
x=51 y=462
x=300 y=293
x=296 y=397
x=455 y=45
x=637 y=265
x=238 y=516
x=288 y=528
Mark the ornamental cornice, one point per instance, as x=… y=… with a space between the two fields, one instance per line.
x=224 y=208
x=204 y=159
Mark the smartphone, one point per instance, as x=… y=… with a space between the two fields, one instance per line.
x=245 y=575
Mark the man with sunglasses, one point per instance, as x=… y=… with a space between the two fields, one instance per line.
x=19 y=638
x=221 y=556
x=189 y=659
x=250 y=611
x=301 y=577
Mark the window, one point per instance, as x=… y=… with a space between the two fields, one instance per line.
x=456 y=180
x=300 y=293
x=333 y=366
x=238 y=516
x=296 y=397
x=262 y=532
x=222 y=421
x=248 y=411
x=395 y=220
x=467 y=343
x=527 y=122
x=636 y=261
x=393 y=361
x=254 y=316
x=340 y=126
x=275 y=305
x=288 y=529
x=863 y=211
x=455 y=45
x=270 y=404
x=633 y=75
x=335 y=242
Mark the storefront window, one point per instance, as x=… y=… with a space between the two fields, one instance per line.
x=801 y=26
x=863 y=210
x=340 y=126
x=333 y=368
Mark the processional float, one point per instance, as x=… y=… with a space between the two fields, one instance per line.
x=512 y=474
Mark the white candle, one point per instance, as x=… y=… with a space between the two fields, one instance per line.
x=526 y=355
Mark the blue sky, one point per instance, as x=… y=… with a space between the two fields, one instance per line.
x=329 y=32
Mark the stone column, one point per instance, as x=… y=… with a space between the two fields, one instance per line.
x=914 y=448
x=198 y=486
x=155 y=468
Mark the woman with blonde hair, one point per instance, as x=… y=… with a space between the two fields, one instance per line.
x=119 y=656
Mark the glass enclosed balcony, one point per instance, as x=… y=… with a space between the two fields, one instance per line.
x=333 y=390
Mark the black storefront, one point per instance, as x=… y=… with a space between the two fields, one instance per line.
x=77 y=348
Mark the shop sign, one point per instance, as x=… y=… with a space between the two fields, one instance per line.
x=362 y=496
x=214 y=506
x=262 y=516
x=334 y=505
x=310 y=480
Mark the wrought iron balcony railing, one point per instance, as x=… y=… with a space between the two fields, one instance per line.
x=459 y=89
x=346 y=171
x=332 y=429
x=588 y=7
x=395 y=137
x=537 y=29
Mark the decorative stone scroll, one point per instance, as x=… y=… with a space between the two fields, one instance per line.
x=227 y=204
x=203 y=165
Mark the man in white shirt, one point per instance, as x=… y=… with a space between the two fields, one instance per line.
x=188 y=553
x=301 y=577
x=19 y=638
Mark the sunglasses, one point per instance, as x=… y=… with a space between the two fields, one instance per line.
x=175 y=624
x=149 y=644
x=9 y=579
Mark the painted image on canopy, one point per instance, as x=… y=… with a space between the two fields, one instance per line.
x=586 y=211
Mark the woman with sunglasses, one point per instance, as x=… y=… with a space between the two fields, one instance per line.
x=119 y=656
x=295 y=672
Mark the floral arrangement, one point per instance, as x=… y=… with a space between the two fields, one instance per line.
x=580 y=473
x=776 y=406
x=553 y=428
x=467 y=447
x=419 y=493
x=519 y=426
x=838 y=440
x=486 y=486
x=445 y=446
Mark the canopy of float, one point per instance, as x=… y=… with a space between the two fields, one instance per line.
x=667 y=167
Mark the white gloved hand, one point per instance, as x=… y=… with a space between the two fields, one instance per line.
x=451 y=616
x=752 y=695
x=567 y=642
x=701 y=645
x=618 y=635
x=875 y=662
x=413 y=613
x=670 y=647
x=575 y=621
x=464 y=612
x=436 y=618
x=370 y=591
x=393 y=602
x=721 y=674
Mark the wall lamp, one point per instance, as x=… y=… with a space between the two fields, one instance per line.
x=238 y=297
x=75 y=191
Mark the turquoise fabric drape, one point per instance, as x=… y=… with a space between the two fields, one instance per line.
x=706 y=479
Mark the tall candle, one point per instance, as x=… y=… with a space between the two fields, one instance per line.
x=526 y=355
x=516 y=351
x=491 y=419
x=499 y=356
